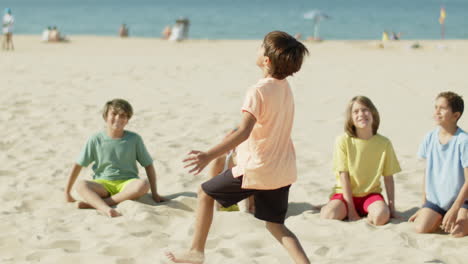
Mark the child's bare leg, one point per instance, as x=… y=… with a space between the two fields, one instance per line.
x=335 y=209
x=204 y=217
x=427 y=221
x=133 y=190
x=215 y=168
x=461 y=225
x=289 y=241
x=379 y=213
x=93 y=193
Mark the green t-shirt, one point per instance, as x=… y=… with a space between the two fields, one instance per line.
x=115 y=159
x=366 y=161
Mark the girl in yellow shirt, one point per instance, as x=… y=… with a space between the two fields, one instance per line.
x=361 y=158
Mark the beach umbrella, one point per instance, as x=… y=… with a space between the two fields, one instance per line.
x=316 y=16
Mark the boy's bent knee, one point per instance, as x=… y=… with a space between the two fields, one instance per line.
x=381 y=219
x=330 y=214
x=142 y=186
x=202 y=194
x=270 y=226
x=81 y=185
x=422 y=229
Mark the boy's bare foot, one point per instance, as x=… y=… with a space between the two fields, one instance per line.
x=112 y=213
x=192 y=257
x=84 y=205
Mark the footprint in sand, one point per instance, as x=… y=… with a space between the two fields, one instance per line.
x=125 y=261
x=226 y=252
x=36 y=256
x=141 y=234
x=116 y=251
x=69 y=246
x=321 y=251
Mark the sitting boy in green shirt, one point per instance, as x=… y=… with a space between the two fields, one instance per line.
x=114 y=153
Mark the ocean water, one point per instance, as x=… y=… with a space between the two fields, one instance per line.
x=243 y=19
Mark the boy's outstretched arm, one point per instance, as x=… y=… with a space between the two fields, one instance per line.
x=198 y=159
x=390 y=189
x=71 y=180
x=448 y=222
x=151 y=174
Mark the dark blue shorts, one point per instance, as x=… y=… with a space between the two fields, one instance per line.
x=439 y=210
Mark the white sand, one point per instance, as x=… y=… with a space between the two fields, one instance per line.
x=186 y=96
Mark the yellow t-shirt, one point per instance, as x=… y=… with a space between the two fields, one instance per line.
x=365 y=161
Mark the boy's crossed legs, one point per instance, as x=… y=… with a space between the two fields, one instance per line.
x=96 y=196
x=227 y=195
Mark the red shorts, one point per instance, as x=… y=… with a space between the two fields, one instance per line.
x=360 y=203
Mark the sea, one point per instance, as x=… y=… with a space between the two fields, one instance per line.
x=244 y=19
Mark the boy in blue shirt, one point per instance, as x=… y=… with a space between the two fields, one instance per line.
x=445 y=150
x=114 y=153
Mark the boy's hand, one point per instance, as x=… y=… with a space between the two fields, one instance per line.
x=69 y=198
x=448 y=222
x=158 y=199
x=198 y=160
x=413 y=217
x=395 y=215
x=353 y=215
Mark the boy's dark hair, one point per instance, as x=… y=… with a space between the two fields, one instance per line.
x=285 y=53
x=350 y=129
x=454 y=100
x=118 y=105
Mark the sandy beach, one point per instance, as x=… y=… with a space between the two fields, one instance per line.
x=187 y=96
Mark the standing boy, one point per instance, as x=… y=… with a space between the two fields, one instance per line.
x=266 y=160
x=114 y=152
x=445 y=149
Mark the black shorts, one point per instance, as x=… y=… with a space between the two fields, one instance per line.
x=270 y=205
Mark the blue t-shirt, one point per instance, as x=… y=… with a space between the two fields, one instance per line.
x=444 y=166
x=115 y=159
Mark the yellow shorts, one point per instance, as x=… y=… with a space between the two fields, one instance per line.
x=114 y=187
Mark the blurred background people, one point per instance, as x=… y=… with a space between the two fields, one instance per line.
x=7 y=29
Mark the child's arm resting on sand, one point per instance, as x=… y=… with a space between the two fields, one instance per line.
x=390 y=189
x=199 y=159
x=71 y=180
x=448 y=222
x=348 y=196
x=151 y=174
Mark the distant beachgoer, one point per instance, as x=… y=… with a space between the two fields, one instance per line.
x=123 y=31
x=166 y=33
x=46 y=34
x=396 y=36
x=7 y=25
x=298 y=36
x=385 y=36
x=180 y=30
x=54 y=35
x=176 y=33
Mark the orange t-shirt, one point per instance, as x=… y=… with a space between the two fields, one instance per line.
x=267 y=159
